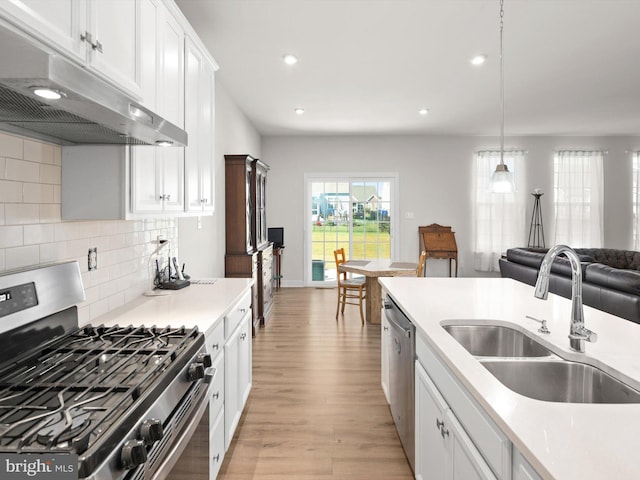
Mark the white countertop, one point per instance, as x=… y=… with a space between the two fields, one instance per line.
x=198 y=305
x=560 y=440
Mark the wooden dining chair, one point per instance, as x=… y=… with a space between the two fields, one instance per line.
x=420 y=269
x=351 y=291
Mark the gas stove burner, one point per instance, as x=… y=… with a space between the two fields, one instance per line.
x=63 y=427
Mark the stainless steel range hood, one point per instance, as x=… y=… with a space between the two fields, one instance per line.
x=90 y=111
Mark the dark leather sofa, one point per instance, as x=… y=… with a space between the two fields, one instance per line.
x=611 y=277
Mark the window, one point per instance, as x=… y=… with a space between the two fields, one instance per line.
x=499 y=218
x=348 y=211
x=636 y=200
x=578 y=193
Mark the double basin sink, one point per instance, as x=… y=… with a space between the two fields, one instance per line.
x=527 y=367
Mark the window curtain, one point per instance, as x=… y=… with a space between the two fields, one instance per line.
x=578 y=198
x=636 y=201
x=499 y=219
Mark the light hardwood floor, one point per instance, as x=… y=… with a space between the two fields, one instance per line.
x=316 y=408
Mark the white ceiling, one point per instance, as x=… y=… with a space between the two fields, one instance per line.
x=572 y=67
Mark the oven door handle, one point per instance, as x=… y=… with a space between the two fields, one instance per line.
x=209 y=375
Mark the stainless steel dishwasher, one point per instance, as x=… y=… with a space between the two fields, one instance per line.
x=402 y=356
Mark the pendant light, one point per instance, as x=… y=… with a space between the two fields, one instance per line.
x=502 y=180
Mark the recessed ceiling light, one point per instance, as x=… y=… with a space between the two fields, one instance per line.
x=290 y=59
x=48 y=93
x=299 y=111
x=423 y=111
x=478 y=60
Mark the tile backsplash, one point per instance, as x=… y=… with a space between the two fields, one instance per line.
x=32 y=232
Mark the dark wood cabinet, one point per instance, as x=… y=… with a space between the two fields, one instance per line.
x=248 y=250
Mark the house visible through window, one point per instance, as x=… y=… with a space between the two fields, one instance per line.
x=578 y=198
x=499 y=218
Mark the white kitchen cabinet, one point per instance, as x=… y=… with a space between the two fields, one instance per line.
x=199 y=116
x=238 y=357
x=480 y=445
x=151 y=12
x=102 y=38
x=385 y=348
x=443 y=449
x=170 y=101
x=522 y=470
x=158 y=179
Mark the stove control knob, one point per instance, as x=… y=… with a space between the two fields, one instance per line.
x=133 y=453
x=205 y=359
x=195 y=371
x=151 y=431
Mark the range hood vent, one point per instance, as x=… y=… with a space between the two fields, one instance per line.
x=90 y=111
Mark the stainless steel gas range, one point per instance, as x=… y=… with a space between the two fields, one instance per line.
x=122 y=400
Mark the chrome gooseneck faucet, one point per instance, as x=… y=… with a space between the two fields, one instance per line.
x=578 y=333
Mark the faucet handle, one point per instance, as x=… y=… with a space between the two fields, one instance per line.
x=543 y=324
x=584 y=333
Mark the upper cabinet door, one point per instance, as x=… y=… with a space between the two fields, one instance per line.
x=171 y=103
x=55 y=22
x=102 y=35
x=115 y=45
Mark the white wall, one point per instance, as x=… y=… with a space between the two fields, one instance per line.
x=203 y=249
x=434 y=183
x=32 y=233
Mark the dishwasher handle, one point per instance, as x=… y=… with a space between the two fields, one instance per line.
x=397 y=319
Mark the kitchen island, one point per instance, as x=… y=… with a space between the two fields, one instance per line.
x=559 y=440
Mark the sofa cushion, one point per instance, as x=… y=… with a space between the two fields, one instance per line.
x=532 y=257
x=625 y=259
x=614 y=278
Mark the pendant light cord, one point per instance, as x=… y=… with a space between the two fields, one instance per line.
x=501 y=85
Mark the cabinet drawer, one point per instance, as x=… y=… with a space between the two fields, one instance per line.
x=236 y=314
x=494 y=446
x=215 y=340
x=216 y=444
x=216 y=399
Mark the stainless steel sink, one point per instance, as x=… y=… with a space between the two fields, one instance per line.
x=561 y=381
x=496 y=341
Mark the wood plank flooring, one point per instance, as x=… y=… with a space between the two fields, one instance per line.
x=316 y=408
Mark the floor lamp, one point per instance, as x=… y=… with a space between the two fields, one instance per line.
x=536 y=230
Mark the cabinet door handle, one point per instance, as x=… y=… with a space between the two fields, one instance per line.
x=444 y=432
x=97 y=46
x=216 y=346
x=86 y=37
x=216 y=458
x=216 y=395
x=439 y=424
x=243 y=336
x=242 y=310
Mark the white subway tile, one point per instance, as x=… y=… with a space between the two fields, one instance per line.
x=65 y=231
x=11 y=146
x=37 y=193
x=78 y=248
x=39 y=233
x=21 y=213
x=107 y=289
x=19 y=257
x=2 y=259
x=50 y=213
x=84 y=314
x=116 y=301
x=53 y=252
x=99 y=308
x=1 y=214
x=40 y=152
x=22 y=171
x=57 y=195
x=11 y=236
x=57 y=155
x=108 y=228
x=50 y=174
x=3 y=164
x=88 y=229
x=10 y=192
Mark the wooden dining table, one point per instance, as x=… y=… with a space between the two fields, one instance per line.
x=372 y=269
